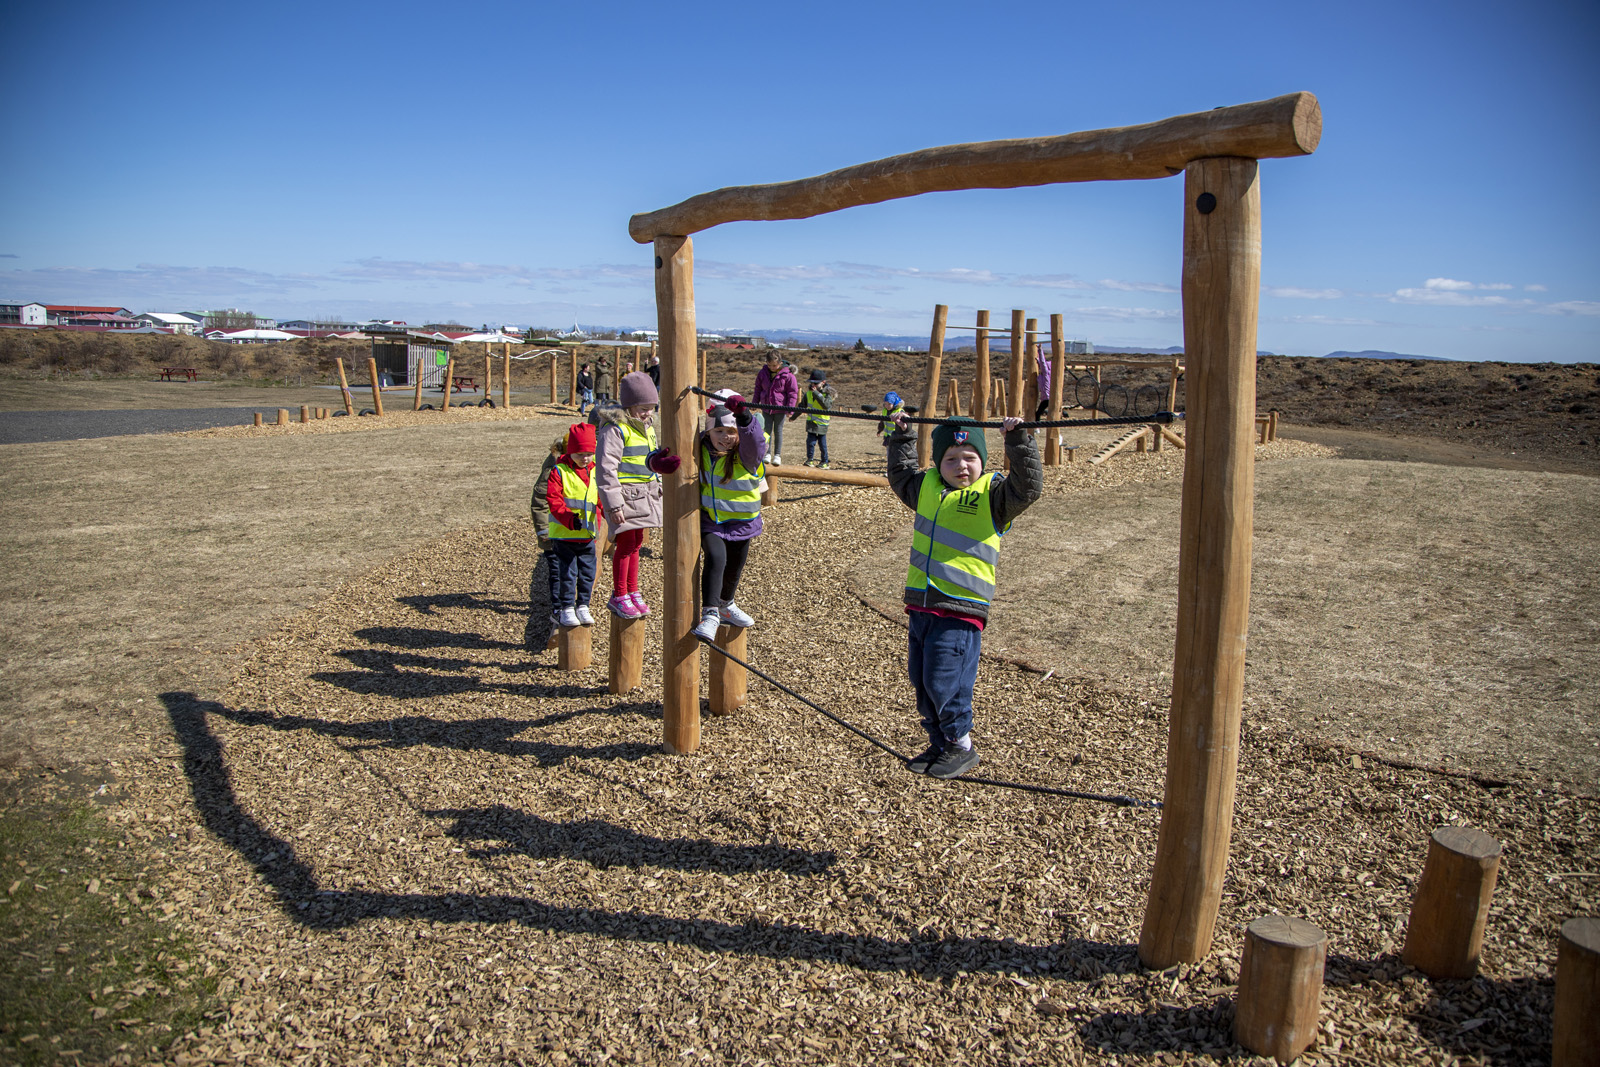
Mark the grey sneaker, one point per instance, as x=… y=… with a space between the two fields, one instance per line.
x=706 y=628
x=920 y=764
x=734 y=616
x=952 y=762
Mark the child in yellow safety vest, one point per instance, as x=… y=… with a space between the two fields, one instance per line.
x=571 y=495
x=962 y=513
x=628 y=466
x=892 y=406
x=729 y=452
x=818 y=401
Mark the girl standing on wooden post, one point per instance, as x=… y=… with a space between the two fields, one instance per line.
x=729 y=452
x=628 y=464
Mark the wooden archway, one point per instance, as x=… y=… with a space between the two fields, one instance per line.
x=1217 y=152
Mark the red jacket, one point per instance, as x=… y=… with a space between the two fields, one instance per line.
x=556 y=494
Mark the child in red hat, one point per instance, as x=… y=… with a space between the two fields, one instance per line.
x=573 y=498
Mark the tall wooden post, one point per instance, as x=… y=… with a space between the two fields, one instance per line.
x=344 y=388
x=449 y=381
x=703 y=379
x=930 y=391
x=488 y=373
x=1030 y=371
x=1014 y=384
x=952 y=402
x=572 y=381
x=377 y=396
x=1058 y=371
x=505 y=376
x=980 y=374
x=1221 y=282
x=416 y=385
x=1172 y=387
x=552 y=380
x=680 y=653
x=616 y=369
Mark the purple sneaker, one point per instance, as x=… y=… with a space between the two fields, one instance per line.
x=622 y=607
x=639 y=605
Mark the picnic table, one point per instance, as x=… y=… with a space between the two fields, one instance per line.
x=188 y=374
x=464 y=383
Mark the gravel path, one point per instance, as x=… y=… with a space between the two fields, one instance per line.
x=31 y=427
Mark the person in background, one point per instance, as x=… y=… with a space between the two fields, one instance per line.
x=571 y=495
x=1042 y=365
x=585 y=388
x=775 y=384
x=818 y=401
x=654 y=370
x=892 y=406
x=602 y=379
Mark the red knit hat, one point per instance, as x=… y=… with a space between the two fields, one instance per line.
x=580 y=438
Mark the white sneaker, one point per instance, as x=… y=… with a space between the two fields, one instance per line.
x=733 y=616
x=584 y=618
x=568 y=618
x=777 y=460
x=706 y=628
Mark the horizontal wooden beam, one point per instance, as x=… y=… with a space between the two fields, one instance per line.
x=1267 y=129
x=816 y=474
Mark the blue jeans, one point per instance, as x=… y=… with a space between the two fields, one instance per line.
x=816 y=440
x=575 y=564
x=942 y=659
x=585 y=398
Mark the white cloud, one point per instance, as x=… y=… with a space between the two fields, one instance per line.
x=1136 y=287
x=1289 y=292
x=1496 y=285
x=1571 y=307
x=1328 y=320
x=1443 y=297
x=1121 y=314
x=1447 y=283
x=1536 y=288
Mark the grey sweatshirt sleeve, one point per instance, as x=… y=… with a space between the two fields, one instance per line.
x=1023 y=484
x=904 y=477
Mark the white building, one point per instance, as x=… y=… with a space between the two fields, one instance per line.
x=23 y=314
x=177 y=323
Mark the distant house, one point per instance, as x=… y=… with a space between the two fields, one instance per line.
x=744 y=340
x=405 y=356
x=250 y=337
x=174 y=321
x=94 y=316
x=24 y=315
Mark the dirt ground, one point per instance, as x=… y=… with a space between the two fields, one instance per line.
x=300 y=660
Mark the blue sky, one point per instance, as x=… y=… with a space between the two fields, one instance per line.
x=479 y=162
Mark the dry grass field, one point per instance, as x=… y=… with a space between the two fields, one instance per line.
x=290 y=672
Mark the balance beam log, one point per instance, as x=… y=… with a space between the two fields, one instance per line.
x=727 y=680
x=1577 y=1014
x=1266 y=129
x=626 y=657
x=814 y=474
x=377 y=396
x=573 y=648
x=1280 y=986
x=1445 y=935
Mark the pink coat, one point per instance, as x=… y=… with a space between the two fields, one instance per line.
x=781 y=388
x=630 y=506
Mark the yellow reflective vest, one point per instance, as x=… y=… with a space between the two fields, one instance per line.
x=737 y=497
x=887 y=414
x=955 y=546
x=582 y=499
x=636 y=445
x=816 y=411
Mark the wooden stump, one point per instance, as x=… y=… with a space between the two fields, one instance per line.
x=283 y=416
x=626 y=662
x=1280 y=986
x=727 y=680
x=573 y=649
x=1444 y=937
x=1577 y=1013
x=258 y=418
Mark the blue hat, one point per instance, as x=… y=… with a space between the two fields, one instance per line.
x=891 y=398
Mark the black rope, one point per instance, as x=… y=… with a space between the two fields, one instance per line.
x=1163 y=417
x=1104 y=798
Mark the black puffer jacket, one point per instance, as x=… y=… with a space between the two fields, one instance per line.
x=1021 y=486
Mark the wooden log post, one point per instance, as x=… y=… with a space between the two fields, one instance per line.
x=930 y=390
x=416 y=385
x=999 y=402
x=952 y=403
x=505 y=376
x=680 y=658
x=377 y=393
x=1221 y=283
x=488 y=372
x=572 y=382
x=980 y=373
x=616 y=371
x=305 y=413
x=1280 y=986
x=1014 y=385
x=1172 y=386
x=726 y=684
x=703 y=378
x=258 y=418
x=344 y=387
x=626 y=655
x=553 y=397
x=283 y=416
x=449 y=381
x=1577 y=1012
x=1058 y=371
x=1030 y=371
x=1444 y=937
x=574 y=650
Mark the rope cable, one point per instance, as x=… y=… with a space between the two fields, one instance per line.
x=1104 y=798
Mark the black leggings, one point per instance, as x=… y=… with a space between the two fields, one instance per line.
x=721 y=565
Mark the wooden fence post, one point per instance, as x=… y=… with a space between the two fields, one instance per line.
x=1577 y=1011
x=416 y=386
x=1014 y=385
x=1030 y=371
x=626 y=655
x=1058 y=371
x=980 y=373
x=574 y=650
x=344 y=387
x=377 y=394
x=1221 y=283
x=572 y=381
x=305 y=413
x=930 y=391
x=553 y=397
x=1280 y=986
x=703 y=384
x=449 y=380
x=1444 y=937
x=727 y=681
x=1172 y=386
x=488 y=372
x=505 y=377
x=952 y=401
x=680 y=653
